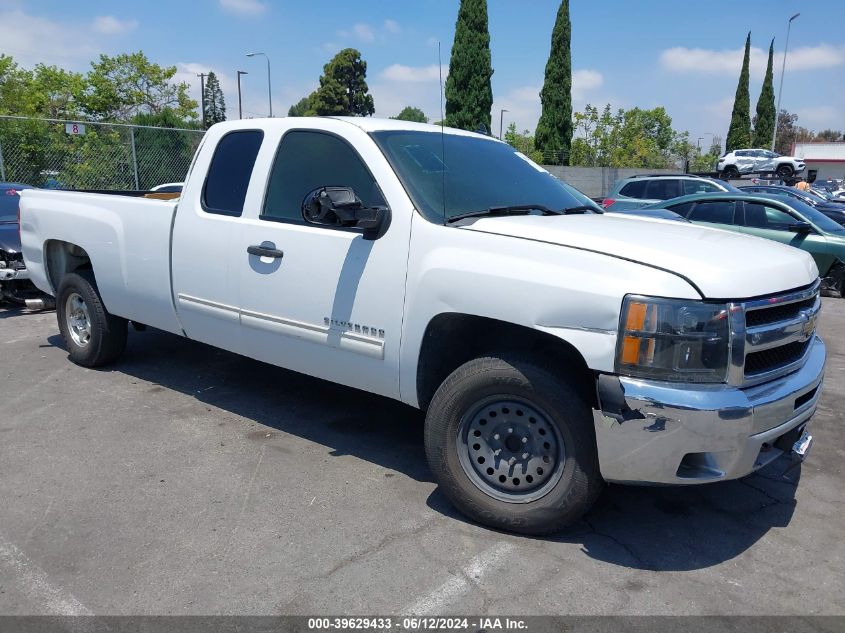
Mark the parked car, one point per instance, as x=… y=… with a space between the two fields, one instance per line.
x=169 y=187
x=15 y=285
x=644 y=190
x=660 y=214
x=789 y=221
x=552 y=346
x=758 y=161
x=832 y=209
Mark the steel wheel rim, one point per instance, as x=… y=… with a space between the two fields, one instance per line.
x=78 y=319
x=510 y=449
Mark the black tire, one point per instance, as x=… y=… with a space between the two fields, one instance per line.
x=730 y=173
x=510 y=379
x=784 y=171
x=834 y=282
x=105 y=338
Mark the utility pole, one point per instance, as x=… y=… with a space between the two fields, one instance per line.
x=240 y=108
x=202 y=77
x=782 y=71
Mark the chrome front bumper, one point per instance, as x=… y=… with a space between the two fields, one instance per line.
x=669 y=433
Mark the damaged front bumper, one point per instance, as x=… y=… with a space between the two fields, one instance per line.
x=670 y=433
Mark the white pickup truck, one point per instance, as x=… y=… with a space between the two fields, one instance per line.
x=553 y=348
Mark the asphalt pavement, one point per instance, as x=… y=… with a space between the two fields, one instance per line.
x=188 y=480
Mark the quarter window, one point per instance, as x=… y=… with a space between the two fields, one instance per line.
x=307 y=161
x=715 y=211
x=228 y=177
x=699 y=186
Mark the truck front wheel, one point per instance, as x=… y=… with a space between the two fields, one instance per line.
x=512 y=446
x=93 y=337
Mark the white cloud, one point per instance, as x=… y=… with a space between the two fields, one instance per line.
x=523 y=103
x=364 y=32
x=585 y=80
x=820 y=117
x=110 y=25
x=413 y=74
x=243 y=7
x=728 y=62
x=32 y=40
x=392 y=26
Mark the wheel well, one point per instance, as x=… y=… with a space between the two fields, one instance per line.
x=452 y=339
x=62 y=258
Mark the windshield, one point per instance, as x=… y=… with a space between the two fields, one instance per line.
x=478 y=174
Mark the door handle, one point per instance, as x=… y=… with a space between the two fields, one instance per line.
x=263 y=251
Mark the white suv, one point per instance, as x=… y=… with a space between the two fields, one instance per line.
x=757 y=161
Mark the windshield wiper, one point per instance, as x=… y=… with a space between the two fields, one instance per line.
x=580 y=209
x=515 y=209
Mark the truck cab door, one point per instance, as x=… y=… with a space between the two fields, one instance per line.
x=207 y=225
x=323 y=299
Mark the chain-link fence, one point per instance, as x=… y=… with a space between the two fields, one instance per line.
x=85 y=155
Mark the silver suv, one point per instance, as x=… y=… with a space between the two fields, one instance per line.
x=639 y=191
x=758 y=161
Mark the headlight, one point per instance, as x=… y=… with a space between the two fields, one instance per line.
x=672 y=339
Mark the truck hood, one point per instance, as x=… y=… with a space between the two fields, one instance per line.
x=9 y=238
x=721 y=264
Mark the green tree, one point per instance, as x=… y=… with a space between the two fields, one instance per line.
x=343 y=87
x=411 y=114
x=554 y=130
x=164 y=155
x=128 y=84
x=739 y=133
x=302 y=108
x=213 y=101
x=469 y=95
x=523 y=143
x=764 y=122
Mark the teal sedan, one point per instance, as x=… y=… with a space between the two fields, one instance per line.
x=775 y=218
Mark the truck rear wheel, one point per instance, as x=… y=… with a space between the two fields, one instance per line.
x=512 y=446
x=93 y=337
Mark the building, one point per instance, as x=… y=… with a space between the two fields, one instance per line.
x=828 y=159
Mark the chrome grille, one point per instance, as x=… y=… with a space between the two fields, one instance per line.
x=772 y=336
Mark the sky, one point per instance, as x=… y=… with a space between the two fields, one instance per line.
x=680 y=55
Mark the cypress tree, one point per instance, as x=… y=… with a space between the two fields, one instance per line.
x=764 y=126
x=213 y=101
x=739 y=133
x=469 y=95
x=554 y=130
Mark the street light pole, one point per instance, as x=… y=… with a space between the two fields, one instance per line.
x=269 y=89
x=202 y=96
x=782 y=71
x=240 y=107
x=501 y=120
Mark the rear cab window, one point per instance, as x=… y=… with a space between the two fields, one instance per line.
x=230 y=171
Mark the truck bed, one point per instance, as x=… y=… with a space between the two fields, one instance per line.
x=126 y=238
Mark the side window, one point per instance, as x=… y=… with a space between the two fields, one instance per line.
x=682 y=209
x=663 y=189
x=715 y=211
x=634 y=189
x=761 y=216
x=699 y=186
x=228 y=176
x=309 y=160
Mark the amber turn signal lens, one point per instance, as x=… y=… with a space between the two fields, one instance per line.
x=636 y=316
x=631 y=350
